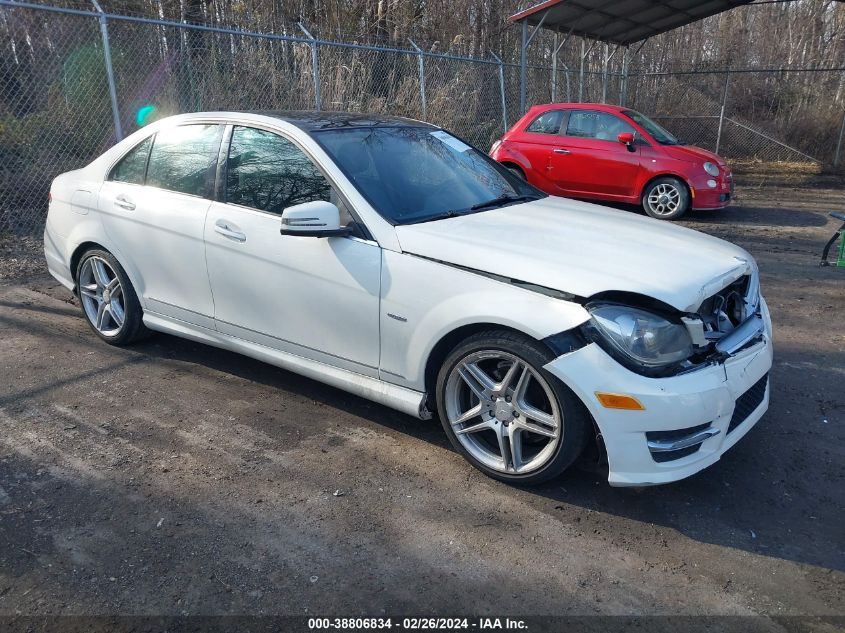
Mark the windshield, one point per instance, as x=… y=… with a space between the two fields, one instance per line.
x=658 y=133
x=418 y=174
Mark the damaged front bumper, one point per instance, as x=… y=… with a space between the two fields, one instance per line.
x=689 y=420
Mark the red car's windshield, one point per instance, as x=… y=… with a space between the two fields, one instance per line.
x=658 y=133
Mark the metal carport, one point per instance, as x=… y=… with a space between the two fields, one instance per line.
x=619 y=22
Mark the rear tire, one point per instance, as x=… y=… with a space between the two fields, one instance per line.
x=516 y=171
x=506 y=415
x=666 y=198
x=108 y=300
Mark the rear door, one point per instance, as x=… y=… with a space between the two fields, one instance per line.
x=537 y=142
x=154 y=206
x=591 y=161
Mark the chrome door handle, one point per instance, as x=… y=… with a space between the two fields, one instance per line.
x=223 y=229
x=124 y=203
x=561 y=151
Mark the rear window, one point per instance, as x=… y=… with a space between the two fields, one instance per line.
x=184 y=158
x=133 y=166
x=546 y=123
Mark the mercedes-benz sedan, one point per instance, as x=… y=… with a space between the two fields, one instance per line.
x=388 y=258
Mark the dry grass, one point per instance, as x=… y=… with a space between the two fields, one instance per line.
x=756 y=175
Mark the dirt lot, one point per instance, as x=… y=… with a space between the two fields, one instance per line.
x=171 y=478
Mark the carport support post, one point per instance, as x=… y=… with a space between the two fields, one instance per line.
x=722 y=112
x=555 y=52
x=502 y=91
x=104 y=32
x=422 y=76
x=523 y=59
x=315 y=67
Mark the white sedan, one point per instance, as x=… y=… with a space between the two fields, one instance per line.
x=388 y=258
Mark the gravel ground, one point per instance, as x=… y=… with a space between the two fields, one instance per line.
x=172 y=478
x=20 y=257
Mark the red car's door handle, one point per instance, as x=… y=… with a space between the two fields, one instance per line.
x=561 y=151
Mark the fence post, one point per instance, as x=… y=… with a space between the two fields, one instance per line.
x=523 y=62
x=623 y=84
x=421 y=58
x=315 y=67
x=581 y=74
x=554 y=68
x=839 y=142
x=722 y=112
x=104 y=32
x=502 y=91
x=604 y=71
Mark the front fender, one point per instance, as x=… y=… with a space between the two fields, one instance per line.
x=423 y=301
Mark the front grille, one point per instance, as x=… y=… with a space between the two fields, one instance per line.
x=748 y=402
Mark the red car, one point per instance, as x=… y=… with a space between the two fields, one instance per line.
x=606 y=152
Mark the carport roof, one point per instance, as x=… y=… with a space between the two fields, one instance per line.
x=621 y=21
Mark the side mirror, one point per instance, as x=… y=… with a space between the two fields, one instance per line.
x=313 y=219
x=627 y=139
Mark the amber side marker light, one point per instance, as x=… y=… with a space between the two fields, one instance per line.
x=619 y=401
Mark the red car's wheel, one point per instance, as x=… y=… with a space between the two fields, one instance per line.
x=666 y=199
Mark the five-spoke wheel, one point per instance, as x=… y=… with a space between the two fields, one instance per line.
x=101 y=295
x=502 y=411
x=108 y=299
x=505 y=413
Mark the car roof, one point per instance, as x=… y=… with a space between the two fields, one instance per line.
x=606 y=107
x=306 y=120
x=312 y=120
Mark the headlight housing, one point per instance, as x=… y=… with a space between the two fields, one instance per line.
x=711 y=169
x=642 y=340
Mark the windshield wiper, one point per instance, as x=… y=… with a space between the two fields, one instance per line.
x=502 y=200
x=437 y=216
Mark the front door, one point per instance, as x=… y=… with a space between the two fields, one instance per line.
x=314 y=297
x=590 y=161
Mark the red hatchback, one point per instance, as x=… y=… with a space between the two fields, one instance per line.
x=604 y=152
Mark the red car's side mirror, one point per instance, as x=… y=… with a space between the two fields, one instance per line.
x=627 y=139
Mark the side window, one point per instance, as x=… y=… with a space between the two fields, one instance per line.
x=184 y=158
x=267 y=172
x=546 y=123
x=132 y=167
x=601 y=126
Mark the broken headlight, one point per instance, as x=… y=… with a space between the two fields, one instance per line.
x=643 y=338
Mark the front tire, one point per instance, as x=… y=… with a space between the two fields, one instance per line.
x=666 y=199
x=503 y=412
x=108 y=299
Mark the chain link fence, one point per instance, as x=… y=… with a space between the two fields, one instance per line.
x=73 y=81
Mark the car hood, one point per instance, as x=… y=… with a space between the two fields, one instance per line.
x=583 y=249
x=693 y=154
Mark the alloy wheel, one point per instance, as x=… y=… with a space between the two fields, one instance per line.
x=102 y=296
x=664 y=199
x=503 y=412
